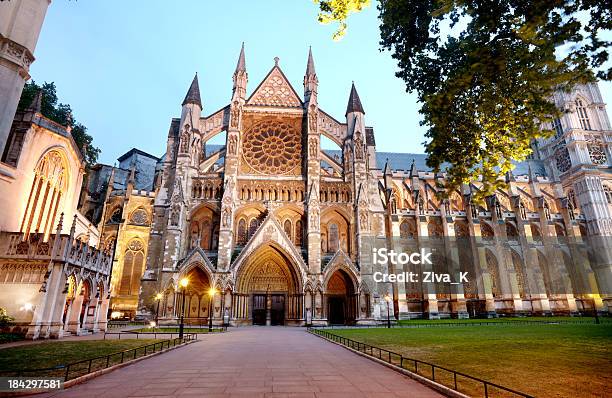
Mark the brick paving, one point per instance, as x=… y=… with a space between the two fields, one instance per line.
x=254 y=362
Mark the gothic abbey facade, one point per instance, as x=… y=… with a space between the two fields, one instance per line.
x=283 y=229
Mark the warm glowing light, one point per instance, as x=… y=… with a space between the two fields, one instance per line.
x=212 y=291
x=27 y=307
x=152 y=324
x=116 y=314
x=158 y=296
x=184 y=282
x=387 y=298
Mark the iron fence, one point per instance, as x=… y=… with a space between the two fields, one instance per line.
x=80 y=368
x=422 y=368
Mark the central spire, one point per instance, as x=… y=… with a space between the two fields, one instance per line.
x=193 y=95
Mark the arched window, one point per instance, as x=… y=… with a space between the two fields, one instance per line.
x=519 y=271
x=583 y=115
x=407 y=230
x=242 y=232
x=493 y=272
x=608 y=193
x=299 y=233
x=138 y=217
x=333 y=238
x=287 y=228
x=133 y=268
x=571 y=196
x=48 y=189
x=558 y=127
x=252 y=227
x=511 y=231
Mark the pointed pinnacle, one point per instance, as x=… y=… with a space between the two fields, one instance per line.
x=241 y=65
x=387 y=169
x=193 y=95
x=310 y=67
x=354 y=103
x=413 y=169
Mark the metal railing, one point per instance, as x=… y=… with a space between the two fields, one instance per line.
x=80 y=368
x=122 y=324
x=421 y=368
x=129 y=334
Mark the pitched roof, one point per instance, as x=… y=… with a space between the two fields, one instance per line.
x=275 y=90
x=193 y=95
x=354 y=103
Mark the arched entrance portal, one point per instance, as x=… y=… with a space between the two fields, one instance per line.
x=341 y=299
x=268 y=289
x=196 y=296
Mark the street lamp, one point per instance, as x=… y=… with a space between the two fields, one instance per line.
x=388 y=300
x=158 y=297
x=184 y=282
x=592 y=297
x=211 y=293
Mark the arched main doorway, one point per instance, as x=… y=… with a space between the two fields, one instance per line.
x=196 y=296
x=341 y=299
x=269 y=289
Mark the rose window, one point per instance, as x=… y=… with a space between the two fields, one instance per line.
x=596 y=149
x=563 y=160
x=272 y=147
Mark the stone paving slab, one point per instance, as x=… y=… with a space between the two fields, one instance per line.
x=267 y=362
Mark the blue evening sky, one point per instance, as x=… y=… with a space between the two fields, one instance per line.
x=125 y=66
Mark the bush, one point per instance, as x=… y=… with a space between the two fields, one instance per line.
x=5 y=319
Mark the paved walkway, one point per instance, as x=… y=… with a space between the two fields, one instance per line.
x=253 y=362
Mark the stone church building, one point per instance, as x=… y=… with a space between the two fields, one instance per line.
x=284 y=230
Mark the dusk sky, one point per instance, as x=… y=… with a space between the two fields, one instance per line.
x=125 y=66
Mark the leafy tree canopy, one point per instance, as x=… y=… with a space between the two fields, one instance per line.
x=62 y=114
x=485 y=71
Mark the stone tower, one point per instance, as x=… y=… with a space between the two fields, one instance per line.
x=20 y=24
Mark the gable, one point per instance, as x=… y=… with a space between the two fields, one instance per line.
x=275 y=90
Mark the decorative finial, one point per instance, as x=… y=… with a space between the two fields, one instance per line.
x=60 y=223
x=276 y=59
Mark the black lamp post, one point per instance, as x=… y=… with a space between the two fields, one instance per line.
x=388 y=300
x=595 y=309
x=158 y=297
x=211 y=294
x=184 y=283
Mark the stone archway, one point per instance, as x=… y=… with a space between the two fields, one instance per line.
x=197 y=298
x=268 y=289
x=341 y=298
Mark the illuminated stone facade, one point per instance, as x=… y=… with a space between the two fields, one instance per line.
x=53 y=279
x=283 y=229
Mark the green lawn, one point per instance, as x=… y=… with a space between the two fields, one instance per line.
x=544 y=319
x=542 y=360
x=50 y=354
